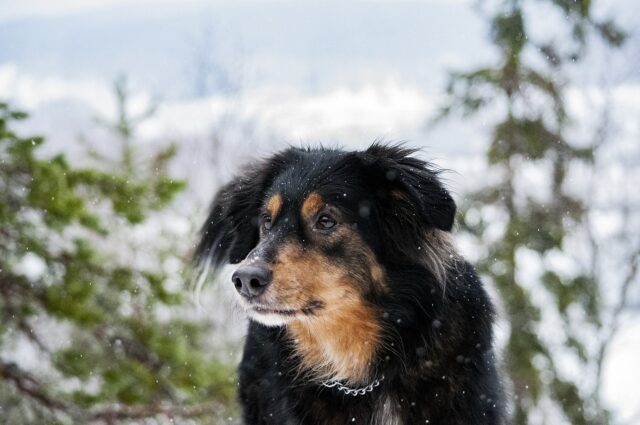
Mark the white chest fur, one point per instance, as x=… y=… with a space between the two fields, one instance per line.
x=386 y=414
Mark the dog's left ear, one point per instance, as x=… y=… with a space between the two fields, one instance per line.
x=231 y=229
x=410 y=183
x=410 y=197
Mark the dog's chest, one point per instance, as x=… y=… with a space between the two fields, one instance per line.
x=387 y=412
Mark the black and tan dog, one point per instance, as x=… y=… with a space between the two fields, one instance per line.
x=361 y=310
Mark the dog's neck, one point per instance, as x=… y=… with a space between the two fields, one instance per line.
x=340 y=346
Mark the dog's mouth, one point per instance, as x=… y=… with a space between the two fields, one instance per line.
x=279 y=315
x=269 y=310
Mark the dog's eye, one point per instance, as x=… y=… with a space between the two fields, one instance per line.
x=325 y=222
x=266 y=222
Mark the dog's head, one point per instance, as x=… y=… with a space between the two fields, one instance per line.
x=312 y=230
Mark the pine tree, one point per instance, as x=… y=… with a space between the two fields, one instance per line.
x=91 y=330
x=525 y=92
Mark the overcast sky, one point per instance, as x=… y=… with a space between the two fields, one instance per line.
x=12 y=9
x=15 y=9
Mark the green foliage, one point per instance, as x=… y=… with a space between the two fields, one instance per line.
x=507 y=30
x=116 y=357
x=524 y=137
x=533 y=130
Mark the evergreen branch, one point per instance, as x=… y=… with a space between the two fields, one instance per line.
x=30 y=387
x=32 y=336
x=27 y=385
x=119 y=412
x=138 y=352
x=132 y=348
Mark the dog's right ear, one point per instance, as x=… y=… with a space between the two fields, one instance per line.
x=231 y=229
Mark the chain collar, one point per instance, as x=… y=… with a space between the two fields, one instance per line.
x=353 y=391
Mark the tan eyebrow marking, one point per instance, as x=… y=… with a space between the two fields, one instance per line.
x=274 y=204
x=311 y=205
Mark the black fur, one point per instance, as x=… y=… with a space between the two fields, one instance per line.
x=437 y=361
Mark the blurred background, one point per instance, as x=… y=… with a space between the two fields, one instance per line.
x=120 y=118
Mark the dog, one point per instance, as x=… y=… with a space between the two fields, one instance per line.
x=361 y=310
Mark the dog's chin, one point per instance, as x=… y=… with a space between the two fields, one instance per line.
x=269 y=316
x=279 y=315
x=269 y=319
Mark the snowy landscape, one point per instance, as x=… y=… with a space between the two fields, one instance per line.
x=230 y=81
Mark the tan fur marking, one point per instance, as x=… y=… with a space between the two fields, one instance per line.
x=361 y=256
x=341 y=343
x=341 y=339
x=399 y=195
x=439 y=253
x=274 y=204
x=368 y=267
x=375 y=269
x=311 y=205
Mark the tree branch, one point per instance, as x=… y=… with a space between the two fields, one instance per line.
x=28 y=386
x=116 y=412
x=108 y=413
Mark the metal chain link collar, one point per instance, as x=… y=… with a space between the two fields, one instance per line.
x=353 y=391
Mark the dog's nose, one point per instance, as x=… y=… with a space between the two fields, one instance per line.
x=251 y=281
